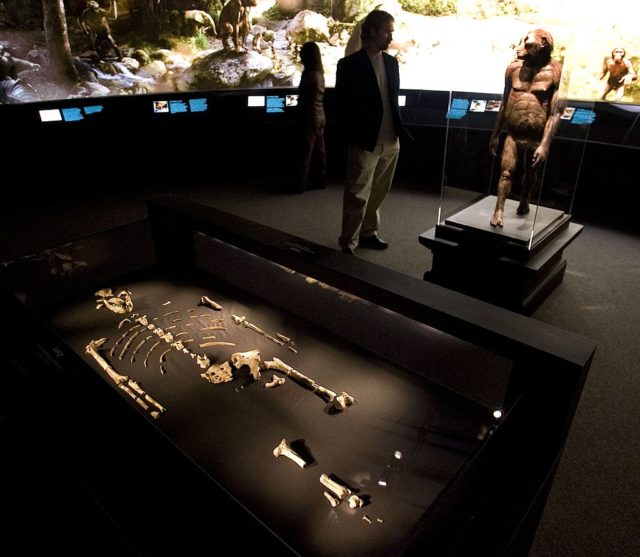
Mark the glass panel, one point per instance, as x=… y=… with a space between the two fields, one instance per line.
x=471 y=174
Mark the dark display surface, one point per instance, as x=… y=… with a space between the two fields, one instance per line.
x=231 y=429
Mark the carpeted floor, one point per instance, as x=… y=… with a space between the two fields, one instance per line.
x=593 y=507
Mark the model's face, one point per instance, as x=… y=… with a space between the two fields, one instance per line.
x=618 y=54
x=381 y=38
x=528 y=47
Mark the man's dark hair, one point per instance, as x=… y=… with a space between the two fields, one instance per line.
x=375 y=20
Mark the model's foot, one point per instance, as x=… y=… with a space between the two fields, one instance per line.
x=347 y=250
x=523 y=208
x=372 y=242
x=496 y=220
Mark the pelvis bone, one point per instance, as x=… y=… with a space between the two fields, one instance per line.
x=251 y=359
x=218 y=373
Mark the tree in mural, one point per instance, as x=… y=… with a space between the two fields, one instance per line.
x=59 y=50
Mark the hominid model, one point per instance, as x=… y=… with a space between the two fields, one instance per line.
x=529 y=109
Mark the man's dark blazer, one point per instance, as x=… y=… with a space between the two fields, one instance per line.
x=359 y=104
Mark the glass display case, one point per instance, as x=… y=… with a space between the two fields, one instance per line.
x=208 y=378
x=519 y=233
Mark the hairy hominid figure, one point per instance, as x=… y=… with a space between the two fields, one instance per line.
x=93 y=21
x=235 y=23
x=619 y=73
x=529 y=109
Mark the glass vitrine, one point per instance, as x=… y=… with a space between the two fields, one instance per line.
x=312 y=404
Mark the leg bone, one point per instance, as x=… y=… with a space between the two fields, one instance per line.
x=339 y=489
x=275 y=382
x=285 y=450
x=332 y=500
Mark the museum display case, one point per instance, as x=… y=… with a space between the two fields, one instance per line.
x=206 y=378
x=506 y=251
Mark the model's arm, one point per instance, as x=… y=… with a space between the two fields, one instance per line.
x=553 y=120
x=502 y=112
x=631 y=74
x=605 y=69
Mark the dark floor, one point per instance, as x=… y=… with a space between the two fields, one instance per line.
x=593 y=507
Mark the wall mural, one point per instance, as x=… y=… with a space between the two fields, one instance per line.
x=58 y=49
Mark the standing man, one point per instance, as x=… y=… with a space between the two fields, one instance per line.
x=367 y=86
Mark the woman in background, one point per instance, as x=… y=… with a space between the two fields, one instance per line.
x=311 y=120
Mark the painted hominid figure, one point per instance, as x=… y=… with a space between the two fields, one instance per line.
x=529 y=110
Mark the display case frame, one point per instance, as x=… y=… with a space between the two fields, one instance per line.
x=514 y=259
x=490 y=506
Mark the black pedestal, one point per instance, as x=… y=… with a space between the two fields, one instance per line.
x=515 y=266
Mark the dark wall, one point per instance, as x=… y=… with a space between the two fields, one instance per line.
x=129 y=148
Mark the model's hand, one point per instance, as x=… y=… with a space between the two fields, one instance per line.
x=493 y=145
x=540 y=155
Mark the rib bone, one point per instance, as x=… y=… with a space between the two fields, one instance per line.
x=285 y=450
